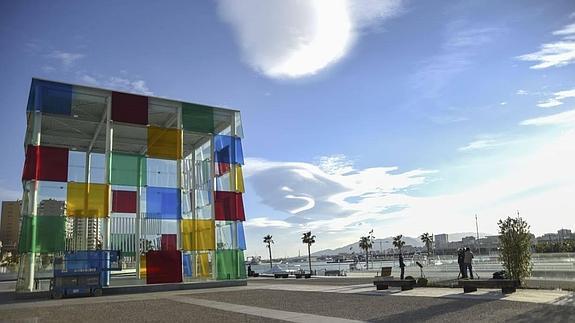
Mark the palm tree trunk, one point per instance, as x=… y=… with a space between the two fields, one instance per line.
x=309 y=257
x=366 y=259
x=270 y=250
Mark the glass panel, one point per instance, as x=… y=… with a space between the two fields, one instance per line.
x=164 y=143
x=51 y=97
x=163 y=203
x=241 y=236
x=230 y=264
x=224 y=235
x=203 y=262
x=124 y=201
x=228 y=149
x=197 y=118
x=76 y=166
x=97 y=168
x=46 y=163
x=229 y=206
x=44 y=234
x=130 y=139
x=163 y=267
x=239 y=126
x=163 y=113
x=129 y=108
x=87 y=200
x=198 y=235
x=51 y=198
x=129 y=170
x=162 y=173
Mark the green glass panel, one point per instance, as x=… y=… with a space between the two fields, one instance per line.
x=197 y=118
x=44 y=234
x=230 y=264
x=129 y=170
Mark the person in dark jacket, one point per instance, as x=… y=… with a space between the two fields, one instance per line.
x=468 y=262
x=460 y=262
x=401 y=266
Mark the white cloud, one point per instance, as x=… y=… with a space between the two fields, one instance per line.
x=116 y=83
x=335 y=164
x=291 y=39
x=480 y=144
x=89 y=79
x=264 y=222
x=313 y=198
x=563 y=118
x=457 y=52
x=521 y=92
x=567 y=30
x=537 y=181
x=557 y=99
x=67 y=59
x=556 y=54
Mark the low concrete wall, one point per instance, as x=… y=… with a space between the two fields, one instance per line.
x=134 y=289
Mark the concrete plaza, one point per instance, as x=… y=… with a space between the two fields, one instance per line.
x=314 y=300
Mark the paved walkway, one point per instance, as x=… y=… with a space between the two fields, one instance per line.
x=303 y=301
x=522 y=295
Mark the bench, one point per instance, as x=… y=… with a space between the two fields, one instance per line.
x=382 y=283
x=281 y=275
x=385 y=272
x=300 y=275
x=507 y=286
x=333 y=273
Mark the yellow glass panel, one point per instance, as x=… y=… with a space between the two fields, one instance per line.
x=203 y=265
x=87 y=200
x=198 y=235
x=143 y=266
x=164 y=143
x=239 y=179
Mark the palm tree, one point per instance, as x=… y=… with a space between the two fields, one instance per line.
x=308 y=239
x=398 y=243
x=269 y=241
x=427 y=239
x=365 y=243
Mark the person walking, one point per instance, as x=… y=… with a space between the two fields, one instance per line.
x=401 y=266
x=460 y=259
x=467 y=260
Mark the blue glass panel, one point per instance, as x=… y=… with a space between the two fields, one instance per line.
x=187 y=264
x=163 y=203
x=241 y=237
x=228 y=149
x=51 y=97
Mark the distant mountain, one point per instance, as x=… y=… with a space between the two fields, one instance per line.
x=387 y=243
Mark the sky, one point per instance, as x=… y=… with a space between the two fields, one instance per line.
x=399 y=116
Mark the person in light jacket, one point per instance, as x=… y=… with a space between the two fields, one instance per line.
x=467 y=260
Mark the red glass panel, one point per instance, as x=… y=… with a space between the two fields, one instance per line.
x=124 y=201
x=222 y=169
x=46 y=164
x=229 y=206
x=169 y=242
x=129 y=108
x=163 y=267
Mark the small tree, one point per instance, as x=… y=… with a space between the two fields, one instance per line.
x=269 y=241
x=514 y=245
x=398 y=243
x=308 y=239
x=427 y=239
x=365 y=244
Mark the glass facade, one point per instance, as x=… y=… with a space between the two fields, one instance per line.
x=157 y=179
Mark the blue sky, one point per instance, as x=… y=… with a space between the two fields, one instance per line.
x=401 y=116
